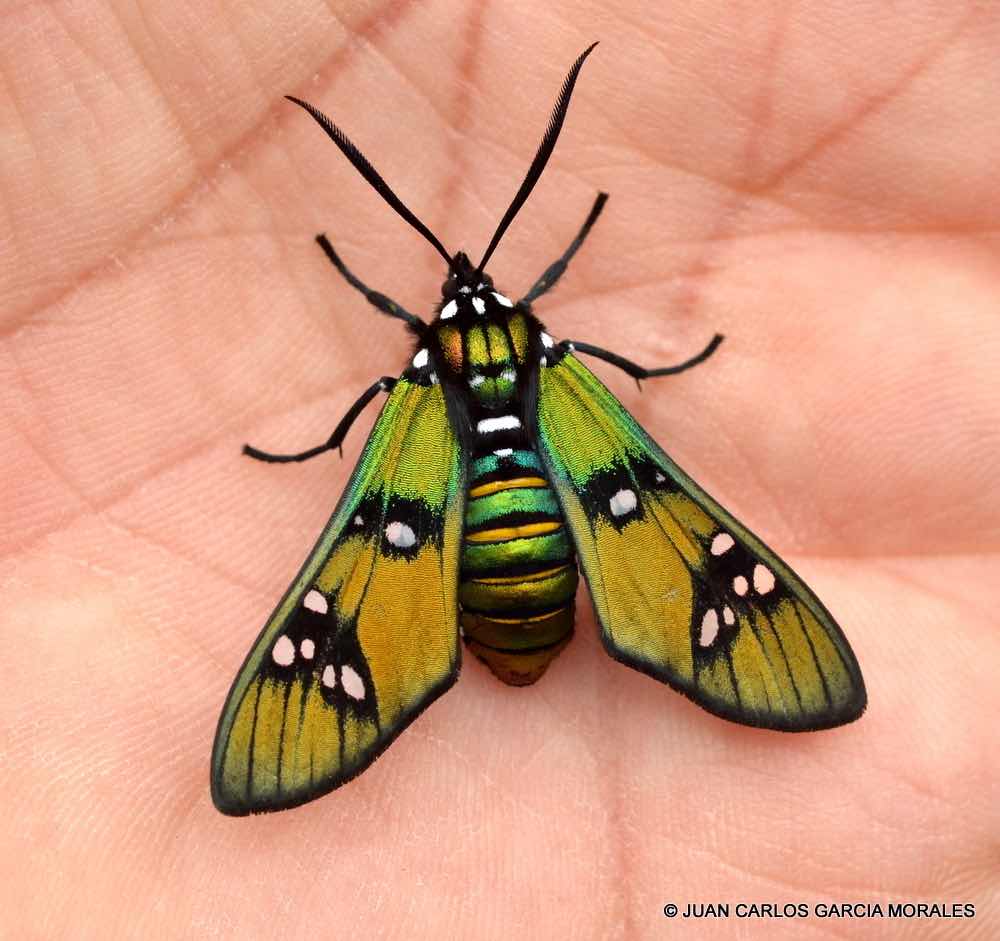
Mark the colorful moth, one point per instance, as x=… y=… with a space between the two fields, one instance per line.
x=497 y=465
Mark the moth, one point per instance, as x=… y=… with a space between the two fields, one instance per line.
x=498 y=468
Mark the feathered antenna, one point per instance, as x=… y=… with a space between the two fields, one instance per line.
x=542 y=157
x=363 y=167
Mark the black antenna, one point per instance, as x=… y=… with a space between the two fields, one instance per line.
x=363 y=167
x=542 y=157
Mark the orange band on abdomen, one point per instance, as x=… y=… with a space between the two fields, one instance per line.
x=495 y=486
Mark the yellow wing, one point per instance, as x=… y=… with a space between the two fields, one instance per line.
x=682 y=590
x=367 y=635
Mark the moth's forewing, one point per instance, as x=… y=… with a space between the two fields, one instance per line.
x=682 y=590
x=367 y=635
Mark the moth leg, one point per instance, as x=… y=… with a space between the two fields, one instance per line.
x=555 y=271
x=636 y=371
x=336 y=440
x=376 y=299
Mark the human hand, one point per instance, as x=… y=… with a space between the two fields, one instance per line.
x=816 y=184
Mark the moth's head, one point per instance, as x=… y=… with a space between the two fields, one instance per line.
x=464 y=278
x=469 y=297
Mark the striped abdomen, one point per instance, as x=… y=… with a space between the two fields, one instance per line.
x=519 y=575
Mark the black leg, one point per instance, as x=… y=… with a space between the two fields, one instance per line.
x=377 y=300
x=636 y=371
x=554 y=271
x=385 y=384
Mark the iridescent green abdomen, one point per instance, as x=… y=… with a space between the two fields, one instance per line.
x=518 y=568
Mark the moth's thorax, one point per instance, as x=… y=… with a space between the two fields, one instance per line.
x=480 y=341
x=482 y=345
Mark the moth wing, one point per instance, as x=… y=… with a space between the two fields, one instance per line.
x=367 y=635
x=682 y=590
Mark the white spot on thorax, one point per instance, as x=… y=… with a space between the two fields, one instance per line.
x=740 y=585
x=504 y=452
x=420 y=360
x=399 y=534
x=479 y=304
x=353 y=685
x=508 y=375
x=728 y=616
x=722 y=542
x=314 y=601
x=501 y=299
x=500 y=423
x=449 y=310
x=465 y=289
x=709 y=628
x=763 y=579
x=329 y=677
x=307 y=648
x=477 y=380
x=623 y=502
x=283 y=651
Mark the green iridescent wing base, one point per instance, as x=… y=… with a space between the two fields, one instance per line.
x=682 y=590
x=367 y=635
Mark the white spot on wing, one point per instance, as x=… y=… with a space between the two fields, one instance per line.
x=660 y=478
x=547 y=341
x=709 y=628
x=399 y=534
x=420 y=360
x=728 y=616
x=623 y=502
x=502 y=299
x=307 y=648
x=329 y=676
x=314 y=601
x=449 y=310
x=358 y=521
x=722 y=542
x=283 y=651
x=740 y=585
x=353 y=685
x=479 y=304
x=500 y=423
x=763 y=579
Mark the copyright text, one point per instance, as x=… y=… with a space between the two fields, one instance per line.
x=894 y=909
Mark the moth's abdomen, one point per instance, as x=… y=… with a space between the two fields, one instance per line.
x=519 y=573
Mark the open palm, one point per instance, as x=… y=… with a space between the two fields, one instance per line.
x=819 y=188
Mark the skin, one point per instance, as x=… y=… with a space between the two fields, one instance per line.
x=817 y=182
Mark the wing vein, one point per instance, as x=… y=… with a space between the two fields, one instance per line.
x=812 y=651
x=784 y=654
x=253 y=738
